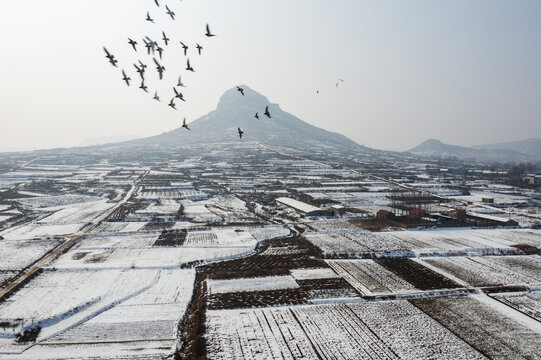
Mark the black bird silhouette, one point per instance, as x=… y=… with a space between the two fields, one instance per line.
x=241 y=90
x=125 y=78
x=256 y=115
x=160 y=51
x=157 y=3
x=143 y=86
x=148 y=46
x=184 y=47
x=140 y=70
x=170 y=13
x=156 y=97
x=172 y=103
x=149 y=18
x=165 y=38
x=188 y=67
x=267 y=113
x=184 y=125
x=180 y=82
x=110 y=57
x=159 y=67
x=132 y=43
x=240 y=133
x=153 y=44
x=178 y=94
x=208 y=33
x=199 y=48
x=143 y=66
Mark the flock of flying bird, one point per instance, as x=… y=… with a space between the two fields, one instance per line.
x=152 y=47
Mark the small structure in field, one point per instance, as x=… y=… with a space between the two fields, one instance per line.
x=301 y=207
x=385 y=214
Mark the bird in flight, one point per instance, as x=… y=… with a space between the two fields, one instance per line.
x=153 y=44
x=143 y=86
x=199 y=48
x=185 y=47
x=241 y=90
x=256 y=115
x=267 y=113
x=132 y=43
x=125 y=78
x=208 y=33
x=180 y=82
x=140 y=70
x=110 y=57
x=157 y=3
x=159 y=67
x=165 y=38
x=156 y=97
x=178 y=94
x=148 y=46
x=143 y=66
x=189 y=67
x=172 y=103
x=170 y=13
x=240 y=133
x=149 y=18
x=184 y=125
x=160 y=51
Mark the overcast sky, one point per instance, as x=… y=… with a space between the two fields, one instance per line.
x=465 y=72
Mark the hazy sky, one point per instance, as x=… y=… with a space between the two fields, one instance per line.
x=465 y=72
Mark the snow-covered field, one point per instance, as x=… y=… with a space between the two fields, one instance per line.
x=368 y=277
x=156 y=257
x=252 y=284
x=494 y=329
x=383 y=330
x=101 y=306
x=528 y=303
x=18 y=254
x=424 y=242
x=491 y=270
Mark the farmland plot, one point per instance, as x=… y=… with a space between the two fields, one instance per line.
x=18 y=254
x=156 y=257
x=37 y=230
x=252 y=284
x=270 y=333
x=333 y=226
x=490 y=271
x=491 y=332
x=527 y=303
x=124 y=241
x=368 y=277
x=269 y=232
x=220 y=237
x=410 y=333
x=79 y=213
x=57 y=300
x=361 y=244
x=380 y=330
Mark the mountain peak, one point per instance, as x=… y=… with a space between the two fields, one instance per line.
x=237 y=111
x=233 y=98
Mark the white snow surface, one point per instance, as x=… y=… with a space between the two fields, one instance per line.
x=252 y=284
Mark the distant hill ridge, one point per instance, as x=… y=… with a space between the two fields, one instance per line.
x=517 y=151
